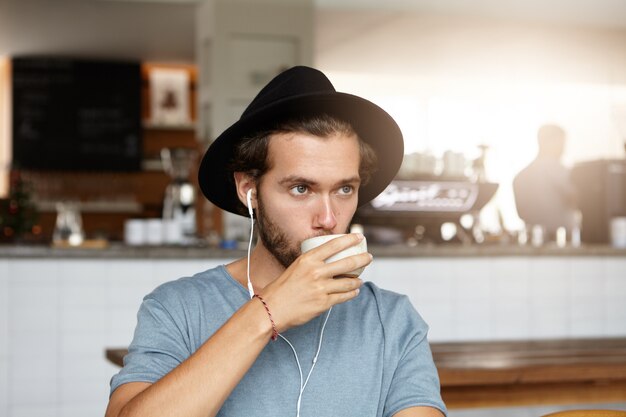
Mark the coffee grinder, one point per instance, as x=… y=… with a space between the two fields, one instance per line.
x=179 y=214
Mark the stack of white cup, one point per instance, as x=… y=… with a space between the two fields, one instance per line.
x=138 y=232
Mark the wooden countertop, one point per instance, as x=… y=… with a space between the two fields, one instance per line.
x=513 y=373
x=564 y=371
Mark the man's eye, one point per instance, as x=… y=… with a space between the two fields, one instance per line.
x=346 y=189
x=299 y=189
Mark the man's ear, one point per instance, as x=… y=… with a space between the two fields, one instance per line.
x=244 y=183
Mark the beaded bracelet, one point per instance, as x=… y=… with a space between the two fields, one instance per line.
x=274 y=331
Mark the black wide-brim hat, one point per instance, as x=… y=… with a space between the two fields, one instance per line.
x=294 y=94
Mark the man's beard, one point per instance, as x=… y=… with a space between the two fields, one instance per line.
x=274 y=238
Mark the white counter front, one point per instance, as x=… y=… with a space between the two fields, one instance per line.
x=58 y=314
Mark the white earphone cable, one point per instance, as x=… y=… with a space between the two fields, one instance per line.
x=249 y=201
x=295 y=354
x=250 y=287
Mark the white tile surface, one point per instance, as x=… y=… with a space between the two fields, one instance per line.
x=130 y=270
x=168 y=270
x=79 y=289
x=83 y=391
x=472 y=279
x=35 y=410
x=83 y=272
x=616 y=277
x=82 y=319
x=33 y=302
x=588 y=315
x=549 y=317
x=511 y=318
x=4 y=386
x=588 y=277
x=82 y=410
x=26 y=367
x=549 y=277
x=33 y=391
x=473 y=319
x=85 y=366
x=43 y=342
x=123 y=294
x=616 y=316
x=33 y=309
x=82 y=343
x=510 y=278
x=434 y=277
x=128 y=282
x=4 y=307
x=615 y=301
x=33 y=272
x=68 y=313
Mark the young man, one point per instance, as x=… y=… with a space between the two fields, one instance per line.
x=310 y=342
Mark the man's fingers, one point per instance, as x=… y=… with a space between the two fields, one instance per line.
x=342 y=297
x=342 y=285
x=347 y=265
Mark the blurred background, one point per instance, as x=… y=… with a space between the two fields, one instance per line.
x=499 y=230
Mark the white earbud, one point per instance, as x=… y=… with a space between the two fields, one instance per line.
x=249 y=200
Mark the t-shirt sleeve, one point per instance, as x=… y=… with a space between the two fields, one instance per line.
x=415 y=381
x=158 y=346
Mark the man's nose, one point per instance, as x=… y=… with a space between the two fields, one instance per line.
x=325 y=218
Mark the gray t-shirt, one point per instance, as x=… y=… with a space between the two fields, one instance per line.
x=375 y=359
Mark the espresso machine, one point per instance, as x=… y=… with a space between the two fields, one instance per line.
x=601 y=188
x=179 y=214
x=426 y=194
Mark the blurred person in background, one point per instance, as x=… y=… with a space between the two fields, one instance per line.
x=544 y=193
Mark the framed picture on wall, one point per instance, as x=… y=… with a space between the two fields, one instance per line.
x=169 y=97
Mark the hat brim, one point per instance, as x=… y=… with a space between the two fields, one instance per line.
x=373 y=125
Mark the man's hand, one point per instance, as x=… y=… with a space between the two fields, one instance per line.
x=307 y=288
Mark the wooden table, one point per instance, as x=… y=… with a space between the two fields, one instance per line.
x=501 y=374
x=116 y=355
x=567 y=371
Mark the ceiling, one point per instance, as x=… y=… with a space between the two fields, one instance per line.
x=605 y=13
x=600 y=13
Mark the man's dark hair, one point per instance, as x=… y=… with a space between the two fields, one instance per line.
x=250 y=154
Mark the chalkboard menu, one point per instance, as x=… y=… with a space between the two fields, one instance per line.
x=71 y=114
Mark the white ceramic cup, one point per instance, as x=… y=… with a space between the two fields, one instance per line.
x=172 y=232
x=618 y=232
x=314 y=242
x=154 y=231
x=135 y=232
